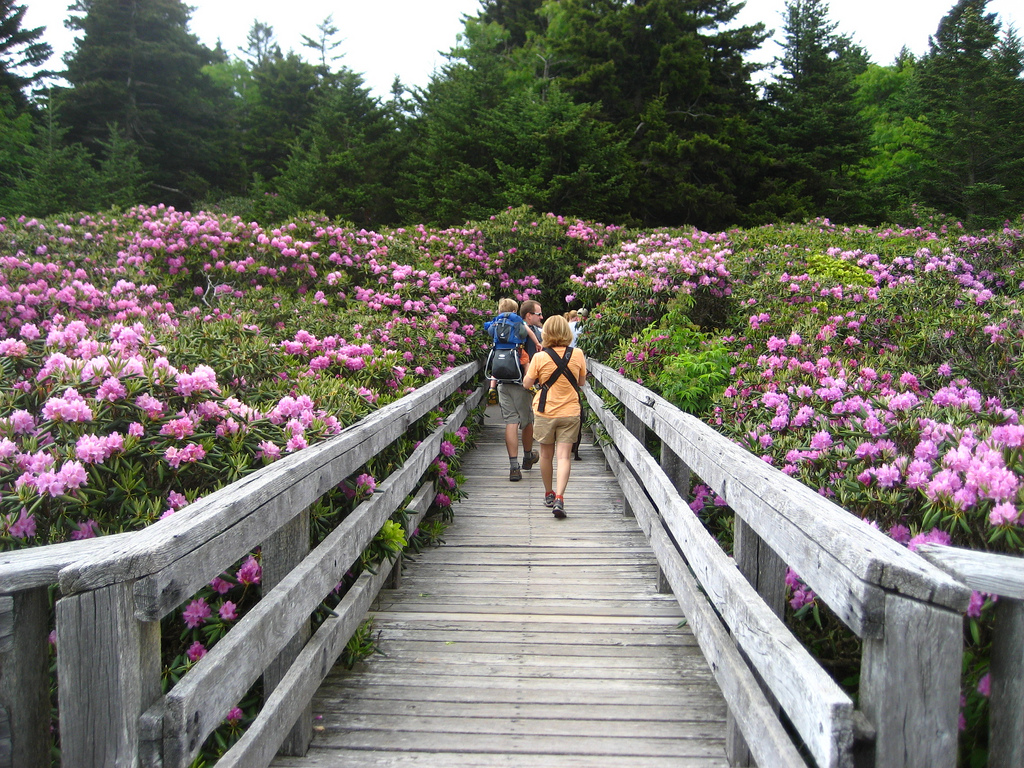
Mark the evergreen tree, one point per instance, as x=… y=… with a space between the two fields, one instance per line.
x=889 y=100
x=813 y=122
x=974 y=97
x=672 y=79
x=346 y=161
x=18 y=48
x=286 y=90
x=519 y=18
x=50 y=175
x=138 y=67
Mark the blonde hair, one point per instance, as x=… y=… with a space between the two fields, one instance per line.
x=557 y=332
x=508 y=305
x=570 y=315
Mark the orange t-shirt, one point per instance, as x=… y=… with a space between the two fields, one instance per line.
x=562 y=399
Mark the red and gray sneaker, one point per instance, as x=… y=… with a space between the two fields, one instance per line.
x=558 y=508
x=549 y=499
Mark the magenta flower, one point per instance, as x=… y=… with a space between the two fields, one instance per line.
x=24 y=527
x=196 y=651
x=821 y=441
x=197 y=612
x=250 y=572
x=985 y=685
x=447 y=449
x=365 y=485
x=228 y=611
x=86 y=530
x=234 y=715
x=1003 y=513
x=220 y=586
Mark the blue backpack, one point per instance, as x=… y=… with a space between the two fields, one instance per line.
x=508 y=335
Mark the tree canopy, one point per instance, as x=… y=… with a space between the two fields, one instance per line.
x=633 y=111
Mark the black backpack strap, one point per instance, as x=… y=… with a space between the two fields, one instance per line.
x=561 y=369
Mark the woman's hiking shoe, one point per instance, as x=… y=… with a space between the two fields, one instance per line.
x=530 y=459
x=515 y=475
x=558 y=508
x=549 y=499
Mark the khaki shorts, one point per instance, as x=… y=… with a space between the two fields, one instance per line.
x=561 y=429
x=516 y=403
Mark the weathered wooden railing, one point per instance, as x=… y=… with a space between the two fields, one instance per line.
x=908 y=612
x=1000 y=575
x=115 y=590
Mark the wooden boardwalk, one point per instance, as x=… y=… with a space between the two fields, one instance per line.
x=526 y=641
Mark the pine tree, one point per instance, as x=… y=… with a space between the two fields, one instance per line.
x=974 y=100
x=672 y=79
x=345 y=163
x=814 y=123
x=19 y=48
x=138 y=67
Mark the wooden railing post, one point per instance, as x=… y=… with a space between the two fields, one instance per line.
x=24 y=680
x=910 y=685
x=636 y=427
x=1006 y=715
x=679 y=474
x=108 y=674
x=766 y=572
x=281 y=553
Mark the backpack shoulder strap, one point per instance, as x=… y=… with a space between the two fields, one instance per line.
x=561 y=369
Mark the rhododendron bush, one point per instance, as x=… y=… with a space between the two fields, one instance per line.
x=149 y=358
x=878 y=366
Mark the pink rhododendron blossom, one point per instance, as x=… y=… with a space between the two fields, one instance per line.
x=985 y=685
x=976 y=603
x=202 y=379
x=1003 y=514
x=196 y=651
x=220 y=586
x=228 y=611
x=22 y=528
x=86 y=530
x=935 y=536
x=250 y=572
x=269 y=450
x=197 y=612
x=150 y=405
x=191 y=453
x=366 y=484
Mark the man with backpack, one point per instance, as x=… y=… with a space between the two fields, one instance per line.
x=511 y=339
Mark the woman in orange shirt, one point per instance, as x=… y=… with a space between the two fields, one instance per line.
x=556 y=406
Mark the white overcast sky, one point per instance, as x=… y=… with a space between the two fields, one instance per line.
x=384 y=38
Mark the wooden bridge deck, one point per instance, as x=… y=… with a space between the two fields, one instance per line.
x=526 y=641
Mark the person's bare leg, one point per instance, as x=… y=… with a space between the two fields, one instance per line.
x=564 y=451
x=512 y=440
x=547 y=453
x=528 y=438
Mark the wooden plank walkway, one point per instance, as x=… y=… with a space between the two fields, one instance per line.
x=526 y=641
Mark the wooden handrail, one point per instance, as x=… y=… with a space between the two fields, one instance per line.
x=907 y=611
x=115 y=589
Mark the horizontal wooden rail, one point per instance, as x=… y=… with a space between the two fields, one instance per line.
x=907 y=611
x=261 y=502
x=200 y=700
x=820 y=711
x=115 y=589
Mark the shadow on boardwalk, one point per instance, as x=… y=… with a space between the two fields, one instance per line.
x=526 y=641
